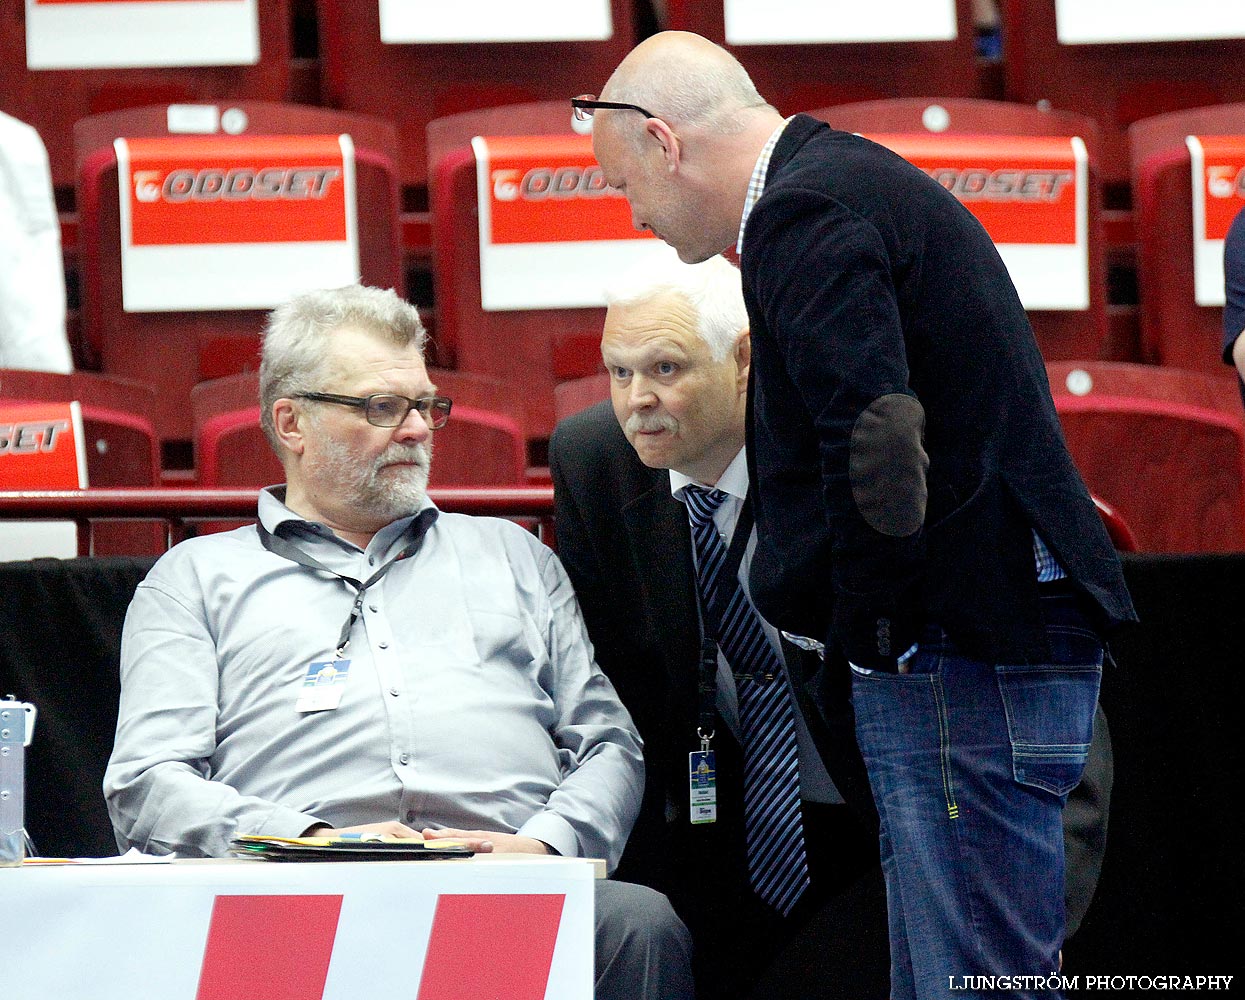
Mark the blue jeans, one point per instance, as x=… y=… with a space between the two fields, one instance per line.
x=970 y=764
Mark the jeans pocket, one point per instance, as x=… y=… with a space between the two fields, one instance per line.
x=923 y=661
x=1050 y=720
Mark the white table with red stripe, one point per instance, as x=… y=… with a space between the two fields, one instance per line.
x=223 y=930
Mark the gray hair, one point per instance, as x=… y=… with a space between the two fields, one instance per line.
x=713 y=289
x=297 y=335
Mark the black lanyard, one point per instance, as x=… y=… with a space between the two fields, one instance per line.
x=288 y=550
x=711 y=622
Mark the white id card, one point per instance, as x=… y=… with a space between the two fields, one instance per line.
x=323 y=686
x=703 y=783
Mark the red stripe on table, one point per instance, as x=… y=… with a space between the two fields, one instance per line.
x=274 y=947
x=488 y=946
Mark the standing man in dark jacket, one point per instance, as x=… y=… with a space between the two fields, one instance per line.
x=916 y=507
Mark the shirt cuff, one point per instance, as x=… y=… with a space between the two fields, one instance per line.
x=552 y=830
x=283 y=822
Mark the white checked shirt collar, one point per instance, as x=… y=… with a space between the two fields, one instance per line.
x=756 y=183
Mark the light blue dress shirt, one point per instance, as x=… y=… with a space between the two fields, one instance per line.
x=471 y=698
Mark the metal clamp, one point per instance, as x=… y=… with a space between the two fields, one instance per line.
x=17 y=724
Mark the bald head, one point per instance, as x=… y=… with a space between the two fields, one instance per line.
x=685 y=169
x=686 y=80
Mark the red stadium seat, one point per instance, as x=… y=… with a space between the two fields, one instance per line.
x=534 y=349
x=1072 y=333
x=1116 y=83
x=52 y=100
x=1121 y=534
x=1127 y=399
x=413 y=84
x=1174 y=329
x=116 y=415
x=796 y=77
x=177 y=350
x=120 y=440
x=1174 y=471
x=231 y=450
x=579 y=394
x=1207 y=390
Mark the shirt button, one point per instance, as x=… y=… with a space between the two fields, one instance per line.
x=371 y=560
x=394 y=692
x=404 y=758
x=383 y=645
x=410 y=816
x=371 y=607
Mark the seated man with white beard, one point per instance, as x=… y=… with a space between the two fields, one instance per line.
x=359 y=661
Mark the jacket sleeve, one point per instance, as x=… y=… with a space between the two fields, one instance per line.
x=831 y=310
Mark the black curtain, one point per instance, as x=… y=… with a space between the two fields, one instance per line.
x=1169 y=900
x=60 y=641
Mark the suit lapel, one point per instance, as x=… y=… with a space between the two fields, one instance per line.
x=661 y=545
x=661 y=549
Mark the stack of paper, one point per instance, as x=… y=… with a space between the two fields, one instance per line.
x=347 y=847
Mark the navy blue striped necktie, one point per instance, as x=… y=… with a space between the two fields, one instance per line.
x=777 y=863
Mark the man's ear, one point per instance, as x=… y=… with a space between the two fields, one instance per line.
x=743 y=358
x=671 y=145
x=290 y=422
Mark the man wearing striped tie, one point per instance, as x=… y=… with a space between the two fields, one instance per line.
x=755 y=861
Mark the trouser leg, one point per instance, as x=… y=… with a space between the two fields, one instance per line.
x=643 y=950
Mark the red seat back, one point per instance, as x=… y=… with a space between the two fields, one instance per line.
x=1175 y=472
x=531 y=348
x=411 y=85
x=1208 y=390
x=1116 y=84
x=116 y=416
x=121 y=446
x=52 y=100
x=1174 y=329
x=579 y=394
x=177 y=350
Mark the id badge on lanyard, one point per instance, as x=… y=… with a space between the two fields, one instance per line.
x=325 y=680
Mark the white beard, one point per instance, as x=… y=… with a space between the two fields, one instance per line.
x=383 y=496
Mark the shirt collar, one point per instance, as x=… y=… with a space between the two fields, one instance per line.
x=756 y=183
x=274 y=515
x=733 y=482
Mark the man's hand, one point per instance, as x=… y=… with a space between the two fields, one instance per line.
x=389 y=828
x=485 y=842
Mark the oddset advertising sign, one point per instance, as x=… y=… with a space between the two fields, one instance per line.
x=1217 y=168
x=41 y=447
x=551 y=230
x=1030 y=194
x=225 y=222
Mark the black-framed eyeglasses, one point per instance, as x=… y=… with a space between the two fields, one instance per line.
x=584 y=105
x=385 y=409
